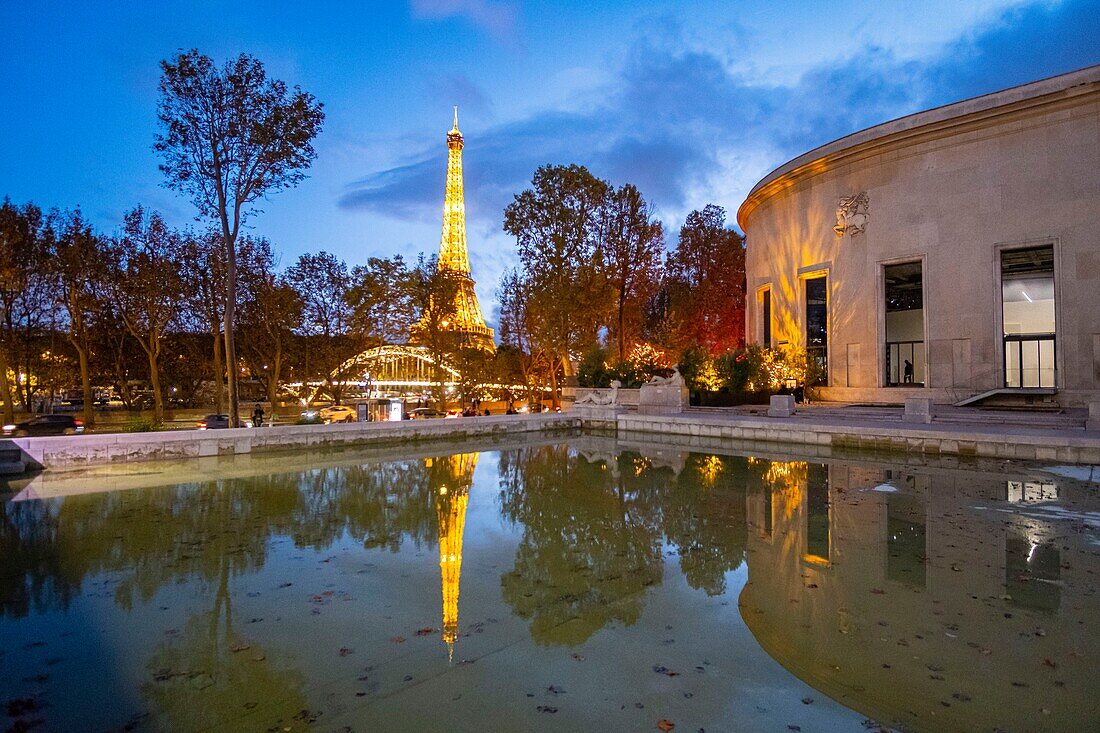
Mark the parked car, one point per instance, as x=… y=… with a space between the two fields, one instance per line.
x=213 y=422
x=339 y=413
x=45 y=425
x=422 y=413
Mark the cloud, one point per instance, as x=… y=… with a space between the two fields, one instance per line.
x=494 y=16
x=688 y=131
x=459 y=89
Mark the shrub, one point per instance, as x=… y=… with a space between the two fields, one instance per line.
x=628 y=373
x=696 y=368
x=142 y=425
x=596 y=371
x=592 y=371
x=744 y=370
x=315 y=420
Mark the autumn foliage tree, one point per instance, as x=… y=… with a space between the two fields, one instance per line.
x=633 y=247
x=26 y=295
x=78 y=265
x=146 y=287
x=702 y=298
x=231 y=136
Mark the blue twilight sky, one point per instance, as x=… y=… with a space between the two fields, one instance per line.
x=693 y=101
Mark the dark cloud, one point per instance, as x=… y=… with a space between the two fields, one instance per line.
x=673 y=122
x=1027 y=44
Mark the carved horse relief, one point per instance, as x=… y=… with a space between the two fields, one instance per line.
x=852 y=215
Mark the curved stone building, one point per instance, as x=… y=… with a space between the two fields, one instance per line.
x=947 y=254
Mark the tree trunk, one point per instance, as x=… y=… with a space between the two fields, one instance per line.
x=273 y=377
x=86 y=383
x=555 y=395
x=154 y=379
x=5 y=390
x=622 y=333
x=219 y=371
x=230 y=343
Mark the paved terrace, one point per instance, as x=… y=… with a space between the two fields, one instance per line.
x=1049 y=437
x=1060 y=437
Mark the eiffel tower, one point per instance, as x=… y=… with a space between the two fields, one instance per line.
x=468 y=322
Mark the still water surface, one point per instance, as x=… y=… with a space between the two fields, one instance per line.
x=558 y=586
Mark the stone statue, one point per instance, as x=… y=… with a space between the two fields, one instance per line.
x=602 y=397
x=852 y=215
x=673 y=378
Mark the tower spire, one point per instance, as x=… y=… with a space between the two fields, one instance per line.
x=467 y=322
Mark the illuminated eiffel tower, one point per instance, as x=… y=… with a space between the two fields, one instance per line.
x=454 y=476
x=468 y=322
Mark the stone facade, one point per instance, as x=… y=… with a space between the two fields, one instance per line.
x=952 y=189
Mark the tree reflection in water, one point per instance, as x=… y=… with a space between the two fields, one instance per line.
x=888 y=589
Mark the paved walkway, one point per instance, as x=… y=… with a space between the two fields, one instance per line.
x=1070 y=422
x=962 y=431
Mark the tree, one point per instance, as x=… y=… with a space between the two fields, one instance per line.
x=381 y=302
x=146 y=287
x=433 y=291
x=78 y=265
x=322 y=283
x=204 y=272
x=268 y=318
x=706 y=283
x=559 y=231
x=231 y=136
x=520 y=358
x=27 y=298
x=634 y=244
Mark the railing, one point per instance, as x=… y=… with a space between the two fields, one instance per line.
x=1030 y=360
x=897 y=352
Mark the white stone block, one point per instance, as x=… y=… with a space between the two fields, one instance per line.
x=918 y=410
x=782 y=405
x=1093 y=422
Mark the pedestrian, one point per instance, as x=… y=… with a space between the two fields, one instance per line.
x=908 y=372
x=258 y=416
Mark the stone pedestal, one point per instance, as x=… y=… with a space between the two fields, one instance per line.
x=598 y=416
x=1093 y=421
x=663 y=398
x=918 y=410
x=781 y=405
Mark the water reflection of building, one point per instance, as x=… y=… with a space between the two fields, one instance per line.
x=451 y=477
x=921 y=597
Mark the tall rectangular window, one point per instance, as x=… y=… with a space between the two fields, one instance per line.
x=1027 y=301
x=766 y=315
x=904 y=300
x=817 y=323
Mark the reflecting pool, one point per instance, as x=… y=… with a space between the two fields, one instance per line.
x=590 y=584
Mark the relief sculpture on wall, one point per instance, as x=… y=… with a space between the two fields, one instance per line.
x=851 y=214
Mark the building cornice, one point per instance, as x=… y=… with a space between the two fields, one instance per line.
x=1063 y=91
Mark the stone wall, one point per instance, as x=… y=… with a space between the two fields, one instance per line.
x=70 y=452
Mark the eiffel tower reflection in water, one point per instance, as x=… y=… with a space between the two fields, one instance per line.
x=451 y=478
